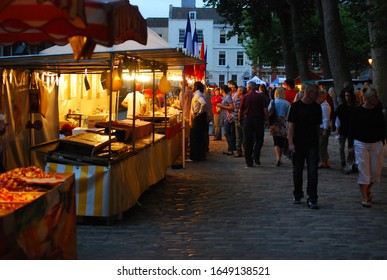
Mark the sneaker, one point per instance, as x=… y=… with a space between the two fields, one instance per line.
x=297 y=201
x=312 y=204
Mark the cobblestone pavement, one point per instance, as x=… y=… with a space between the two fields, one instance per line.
x=217 y=209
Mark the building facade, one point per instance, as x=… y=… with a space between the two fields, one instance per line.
x=226 y=57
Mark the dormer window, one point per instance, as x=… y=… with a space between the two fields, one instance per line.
x=192 y=15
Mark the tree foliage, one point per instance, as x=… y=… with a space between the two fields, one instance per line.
x=258 y=22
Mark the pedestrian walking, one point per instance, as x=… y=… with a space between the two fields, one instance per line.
x=344 y=116
x=304 y=119
x=367 y=134
x=278 y=127
x=253 y=114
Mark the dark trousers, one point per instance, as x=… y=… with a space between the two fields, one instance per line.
x=199 y=137
x=229 y=133
x=253 y=134
x=311 y=156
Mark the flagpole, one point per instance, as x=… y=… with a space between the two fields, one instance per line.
x=183 y=116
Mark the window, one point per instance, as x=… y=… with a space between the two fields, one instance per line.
x=240 y=40
x=222 y=38
x=266 y=65
x=200 y=35
x=222 y=58
x=266 y=78
x=234 y=78
x=316 y=61
x=181 y=36
x=192 y=15
x=240 y=57
x=221 y=80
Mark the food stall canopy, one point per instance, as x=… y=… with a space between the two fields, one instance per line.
x=59 y=59
x=100 y=22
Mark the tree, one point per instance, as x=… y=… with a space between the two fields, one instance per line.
x=378 y=38
x=335 y=47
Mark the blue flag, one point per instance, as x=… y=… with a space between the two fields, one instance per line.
x=188 y=36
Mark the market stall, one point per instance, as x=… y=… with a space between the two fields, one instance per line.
x=110 y=178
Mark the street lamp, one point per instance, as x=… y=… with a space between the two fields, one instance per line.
x=370 y=63
x=228 y=72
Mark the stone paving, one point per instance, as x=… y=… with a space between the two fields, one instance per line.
x=218 y=209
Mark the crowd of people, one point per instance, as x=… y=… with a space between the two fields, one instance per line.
x=300 y=122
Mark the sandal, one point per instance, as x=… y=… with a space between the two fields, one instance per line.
x=366 y=203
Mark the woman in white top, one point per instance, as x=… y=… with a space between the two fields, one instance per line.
x=325 y=129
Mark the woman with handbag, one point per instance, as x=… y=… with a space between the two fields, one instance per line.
x=278 y=113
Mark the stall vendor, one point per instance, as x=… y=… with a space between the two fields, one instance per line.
x=140 y=102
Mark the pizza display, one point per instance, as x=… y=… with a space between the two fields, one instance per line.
x=23 y=179
x=23 y=185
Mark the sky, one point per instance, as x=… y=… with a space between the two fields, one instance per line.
x=158 y=8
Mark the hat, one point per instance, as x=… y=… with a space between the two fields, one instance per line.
x=148 y=92
x=369 y=92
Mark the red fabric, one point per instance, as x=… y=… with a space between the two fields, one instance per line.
x=105 y=23
x=290 y=94
x=215 y=100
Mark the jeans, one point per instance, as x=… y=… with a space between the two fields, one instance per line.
x=253 y=134
x=311 y=156
x=239 y=137
x=229 y=133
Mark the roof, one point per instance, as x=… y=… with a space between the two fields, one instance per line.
x=156 y=53
x=65 y=63
x=201 y=14
x=157 y=22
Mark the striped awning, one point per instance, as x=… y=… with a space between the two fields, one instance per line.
x=83 y=23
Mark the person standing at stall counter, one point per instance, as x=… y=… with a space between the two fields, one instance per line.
x=305 y=117
x=199 y=125
x=140 y=102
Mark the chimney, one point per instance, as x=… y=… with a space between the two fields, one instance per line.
x=188 y=3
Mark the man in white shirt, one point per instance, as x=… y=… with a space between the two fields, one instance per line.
x=140 y=106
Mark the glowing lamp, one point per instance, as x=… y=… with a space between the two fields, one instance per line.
x=117 y=83
x=164 y=85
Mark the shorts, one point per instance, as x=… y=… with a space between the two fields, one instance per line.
x=369 y=160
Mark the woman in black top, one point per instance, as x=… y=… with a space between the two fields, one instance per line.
x=344 y=113
x=367 y=133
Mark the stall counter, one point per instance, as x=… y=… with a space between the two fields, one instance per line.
x=108 y=191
